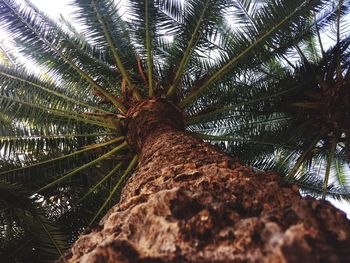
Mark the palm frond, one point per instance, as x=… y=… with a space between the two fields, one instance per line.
x=199 y=20
x=34 y=30
x=106 y=27
x=26 y=231
x=272 y=22
x=255 y=78
x=82 y=167
x=130 y=167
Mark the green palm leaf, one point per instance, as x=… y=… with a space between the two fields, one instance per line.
x=253 y=77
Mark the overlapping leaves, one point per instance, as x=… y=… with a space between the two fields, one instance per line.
x=62 y=129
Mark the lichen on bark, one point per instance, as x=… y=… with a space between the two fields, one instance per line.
x=189 y=202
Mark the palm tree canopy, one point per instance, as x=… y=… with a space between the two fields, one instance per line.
x=252 y=76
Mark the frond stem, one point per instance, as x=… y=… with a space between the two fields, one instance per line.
x=301 y=159
x=62 y=113
x=103 y=157
x=149 y=52
x=187 y=53
x=232 y=139
x=189 y=99
x=116 y=56
x=52 y=92
x=68 y=61
x=113 y=171
x=60 y=136
x=115 y=188
x=90 y=148
x=330 y=157
x=200 y=118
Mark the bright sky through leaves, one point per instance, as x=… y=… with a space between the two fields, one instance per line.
x=55 y=8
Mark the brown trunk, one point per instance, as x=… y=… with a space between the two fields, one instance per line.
x=189 y=202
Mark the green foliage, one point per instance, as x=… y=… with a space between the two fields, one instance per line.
x=253 y=77
x=28 y=234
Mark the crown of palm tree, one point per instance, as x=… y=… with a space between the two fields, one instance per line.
x=225 y=63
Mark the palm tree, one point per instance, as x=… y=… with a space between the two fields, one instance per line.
x=303 y=133
x=124 y=101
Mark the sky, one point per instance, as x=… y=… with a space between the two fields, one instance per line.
x=55 y=8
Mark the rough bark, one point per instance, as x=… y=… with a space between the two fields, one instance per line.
x=189 y=202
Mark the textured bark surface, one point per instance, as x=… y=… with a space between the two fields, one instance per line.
x=188 y=202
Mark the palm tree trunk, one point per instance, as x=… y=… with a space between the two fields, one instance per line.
x=189 y=202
